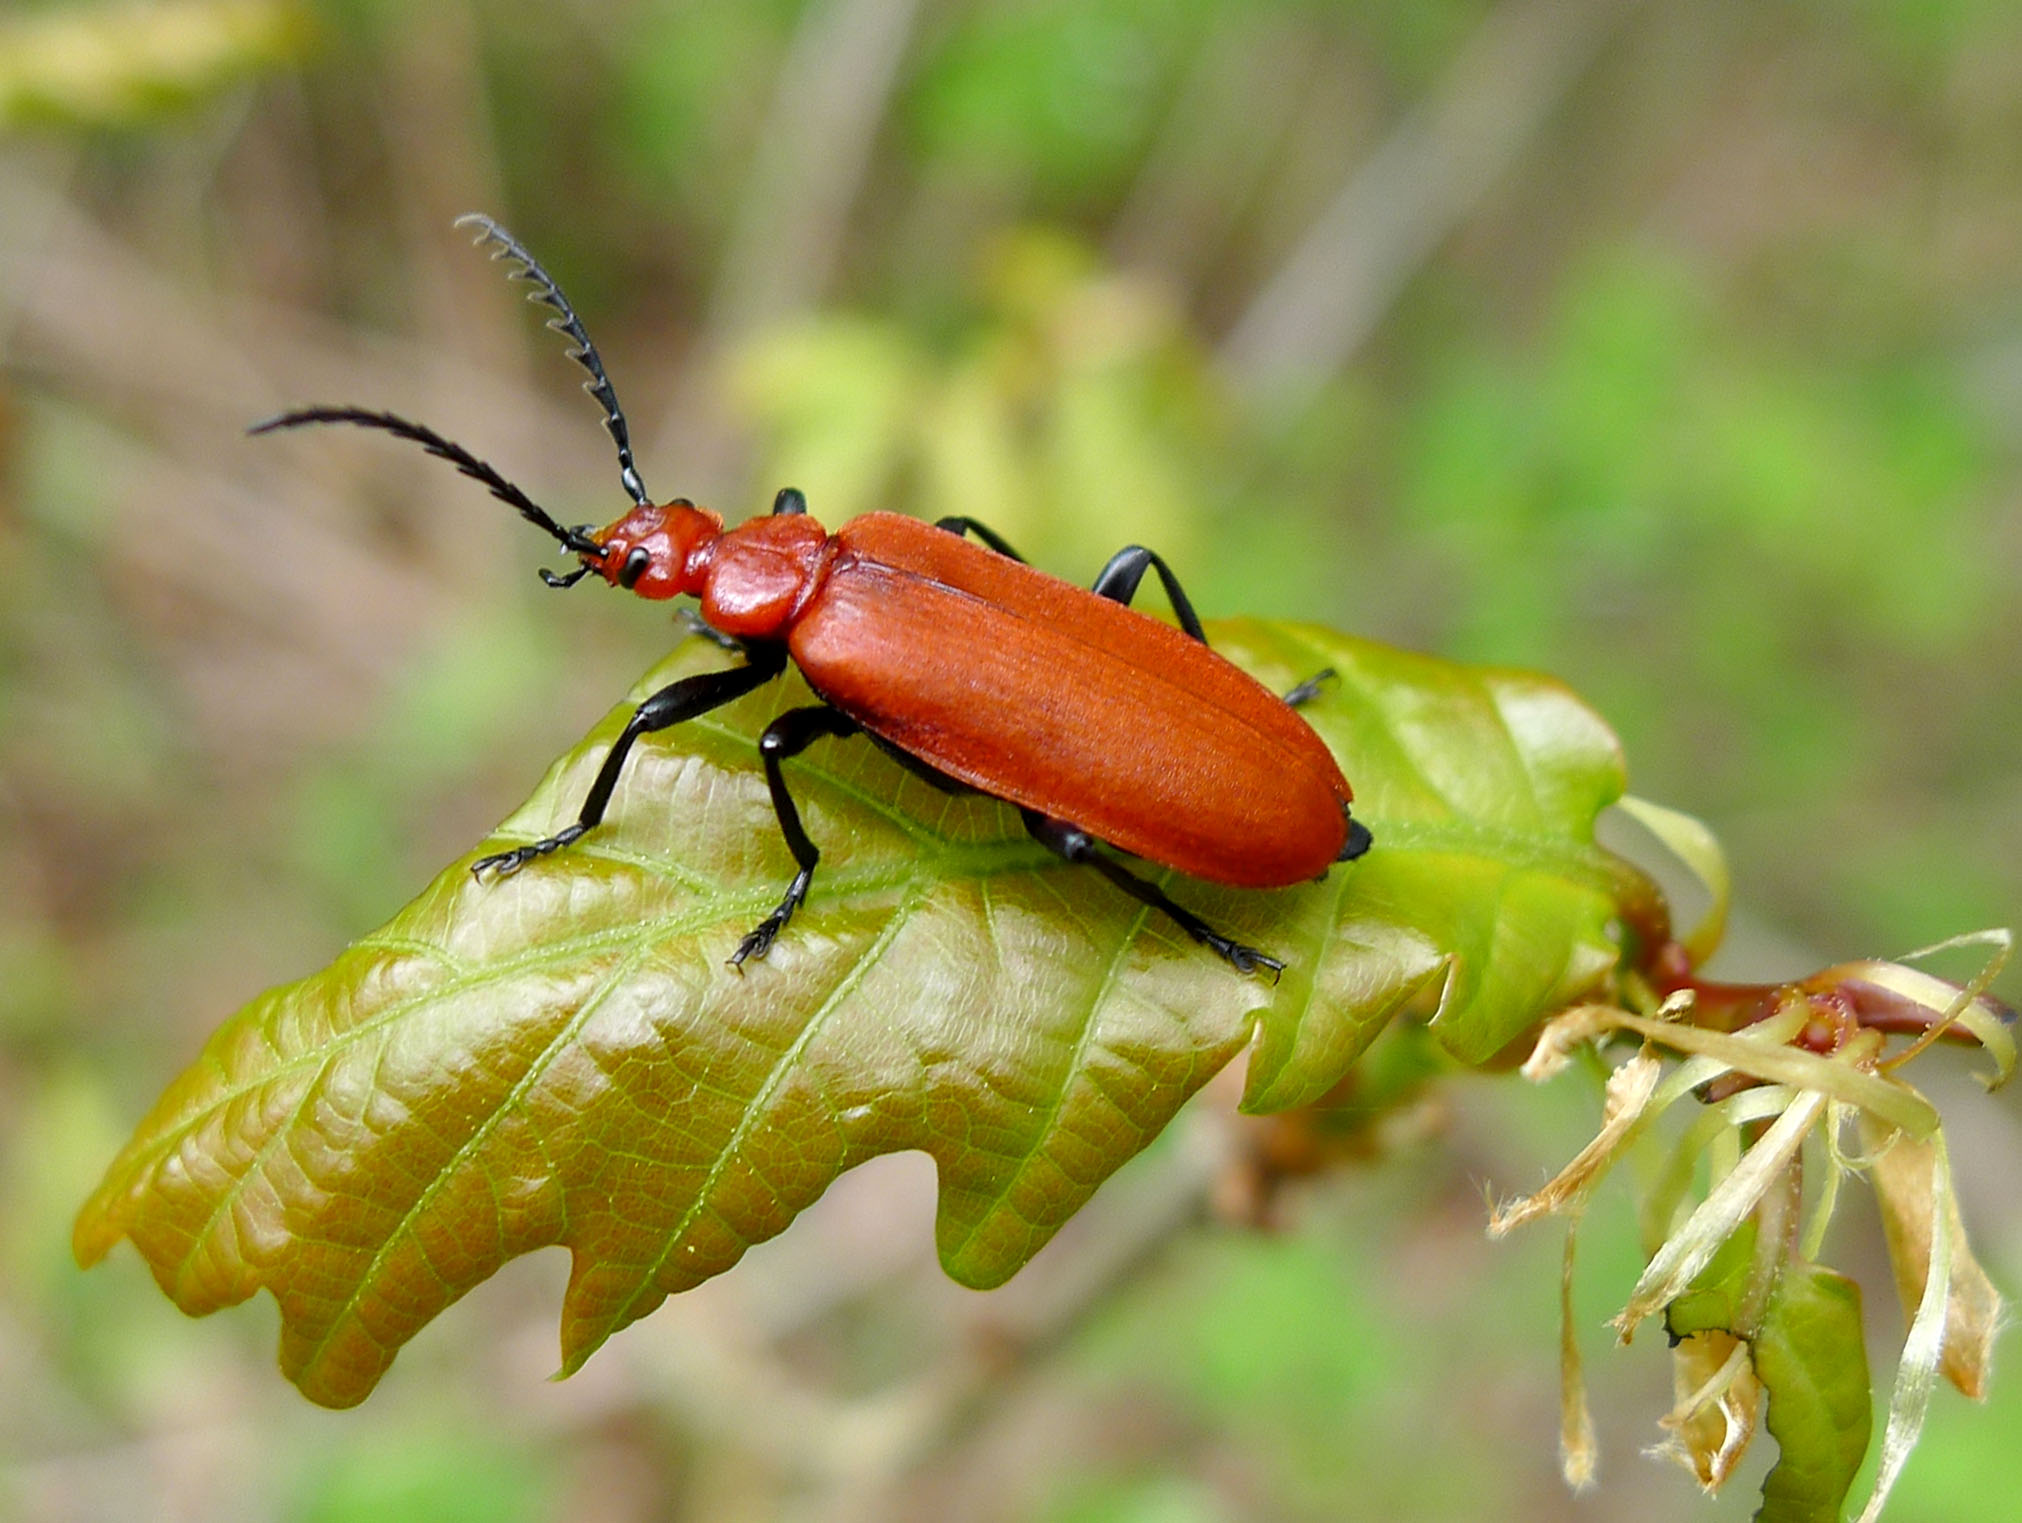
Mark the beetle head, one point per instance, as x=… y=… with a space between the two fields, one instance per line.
x=656 y=551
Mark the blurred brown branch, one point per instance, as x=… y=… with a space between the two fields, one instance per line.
x=1394 y=210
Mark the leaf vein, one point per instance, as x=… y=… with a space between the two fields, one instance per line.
x=774 y=1077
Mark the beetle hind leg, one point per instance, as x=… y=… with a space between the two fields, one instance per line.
x=1312 y=687
x=1074 y=844
x=789 y=735
x=1120 y=578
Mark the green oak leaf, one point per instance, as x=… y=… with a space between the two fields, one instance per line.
x=563 y=1057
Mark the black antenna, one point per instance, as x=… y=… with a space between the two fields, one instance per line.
x=571 y=539
x=566 y=323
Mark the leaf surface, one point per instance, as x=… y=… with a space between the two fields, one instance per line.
x=563 y=1057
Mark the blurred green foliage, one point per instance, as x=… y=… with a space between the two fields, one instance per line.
x=1072 y=411
x=125 y=64
x=1708 y=406
x=437 y=1473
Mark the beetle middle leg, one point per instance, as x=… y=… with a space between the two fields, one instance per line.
x=672 y=704
x=789 y=735
x=959 y=524
x=1076 y=845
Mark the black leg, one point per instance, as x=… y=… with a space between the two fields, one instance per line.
x=1308 y=690
x=789 y=735
x=1126 y=569
x=672 y=704
x=1077 y=845
x=989 y=536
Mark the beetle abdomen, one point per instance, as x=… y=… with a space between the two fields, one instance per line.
x=1042 y=693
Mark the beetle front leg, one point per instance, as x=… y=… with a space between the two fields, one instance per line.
x=672 y=704
x=1126 y=568
x=789 y=735
x=1077 y=845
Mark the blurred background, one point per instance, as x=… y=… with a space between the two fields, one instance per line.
x=1674 y=347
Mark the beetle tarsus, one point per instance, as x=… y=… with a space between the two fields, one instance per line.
x=504 y=864
x=1244 y=959
x=762 y=935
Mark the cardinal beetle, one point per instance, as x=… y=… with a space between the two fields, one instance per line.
x=969 y=667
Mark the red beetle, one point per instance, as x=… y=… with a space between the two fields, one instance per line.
x=968 y=666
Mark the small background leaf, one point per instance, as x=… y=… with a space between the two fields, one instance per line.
x=1809 y=1356
x=1813 y=1366
x=564 y=1058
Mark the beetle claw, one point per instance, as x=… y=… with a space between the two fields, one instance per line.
x=758 y=942
x=762 y=936
x=1246 y=959
x=760 y=939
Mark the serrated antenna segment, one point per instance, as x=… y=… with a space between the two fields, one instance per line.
x=565 y=322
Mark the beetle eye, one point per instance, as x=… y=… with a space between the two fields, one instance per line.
x=634 y=567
